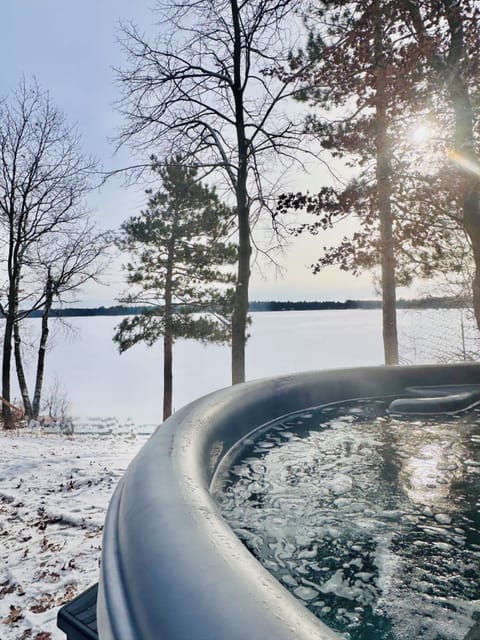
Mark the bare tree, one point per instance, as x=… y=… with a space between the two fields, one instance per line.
x=210 y=87
x=56 y=403
x=63 y=263
x=43 y=178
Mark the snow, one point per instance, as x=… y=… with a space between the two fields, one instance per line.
x=100 y=383
x=54 y=492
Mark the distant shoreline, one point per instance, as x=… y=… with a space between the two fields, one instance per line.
x=274 y=305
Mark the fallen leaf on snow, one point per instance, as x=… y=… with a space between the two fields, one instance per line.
x=14 y=616
x=6 y=587
x=46 y=602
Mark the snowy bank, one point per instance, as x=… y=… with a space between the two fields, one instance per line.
x=54 y=492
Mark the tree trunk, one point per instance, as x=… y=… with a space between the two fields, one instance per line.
x=471 y=215
x=10 y=319
x=7 y=357
x=383 y=174
x=240 y=310
x=167 y=333
x=37 y=396
x=22 y=382
x=464 y=151
x=167 y=374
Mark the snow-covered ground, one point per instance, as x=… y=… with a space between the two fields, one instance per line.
x=54 y=492
x=95 y=380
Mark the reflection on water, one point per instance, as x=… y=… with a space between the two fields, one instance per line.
x=432 y=459
x=372 y=521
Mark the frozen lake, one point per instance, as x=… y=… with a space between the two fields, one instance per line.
x=98 y=382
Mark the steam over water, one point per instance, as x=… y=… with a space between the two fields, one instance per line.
x=373 y=522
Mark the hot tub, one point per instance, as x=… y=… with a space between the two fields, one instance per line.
x=171 y=567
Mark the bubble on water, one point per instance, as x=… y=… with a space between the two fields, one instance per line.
x=308 y=553
x=391 y=514
x=305 y=593
x=364 y=576
x=257 y=467
x=341 y=587
x=443 y=518
x=339 y=484
x=289 y=579
x=473 y=463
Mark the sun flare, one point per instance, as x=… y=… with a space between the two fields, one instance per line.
x=466 y=163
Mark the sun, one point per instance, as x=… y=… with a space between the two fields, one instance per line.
x=421 y=134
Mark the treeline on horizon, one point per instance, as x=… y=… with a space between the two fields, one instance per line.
x=275 y=305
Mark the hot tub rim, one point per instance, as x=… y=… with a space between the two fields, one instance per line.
x=167 y=488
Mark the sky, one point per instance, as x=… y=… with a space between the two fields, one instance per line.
x=71 y=49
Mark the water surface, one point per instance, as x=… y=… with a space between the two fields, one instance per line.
x=372 y=522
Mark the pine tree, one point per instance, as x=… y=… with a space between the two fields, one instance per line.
x=369 y=84
x=179 y=267
x=447 y=33
x=429 y=72
x=361 y=76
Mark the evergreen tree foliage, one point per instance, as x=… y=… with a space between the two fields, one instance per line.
x=381 y=71
x=447 y=33
x=178 y=269
x=354 y=72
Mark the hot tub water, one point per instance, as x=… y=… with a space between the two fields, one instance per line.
x=372 y=521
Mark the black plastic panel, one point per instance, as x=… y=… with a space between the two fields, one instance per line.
x=78 y=618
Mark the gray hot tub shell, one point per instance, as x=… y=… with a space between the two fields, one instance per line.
x=171 y=568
